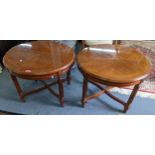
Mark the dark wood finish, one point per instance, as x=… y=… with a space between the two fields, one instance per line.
x=116 y=64
x=131 y=98
x=113 y=66
x=84 y=92
x=40 y=60
x=61 y=90
x=5 y=45
x=68 y=77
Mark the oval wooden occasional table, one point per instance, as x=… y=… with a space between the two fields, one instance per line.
x=40 y=60
x=112 y=66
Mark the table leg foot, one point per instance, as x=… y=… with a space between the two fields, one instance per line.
x=125 y=109
x=22 y=99
x=62 y=105
x=62 y=101
x=83 y=104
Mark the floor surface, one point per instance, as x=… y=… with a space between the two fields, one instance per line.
x=45 y=103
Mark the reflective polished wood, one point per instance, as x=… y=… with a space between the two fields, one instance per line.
x=40 y=60
x=121 y=64
x=114 y=66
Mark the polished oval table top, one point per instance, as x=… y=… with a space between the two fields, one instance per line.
x=114 y=63
x=38 y=58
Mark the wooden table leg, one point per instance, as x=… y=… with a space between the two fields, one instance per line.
x=84 y=91
x=131 y=98
x=68 y=76
x=126 y=105
x=18 y=88
x=61 y=90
